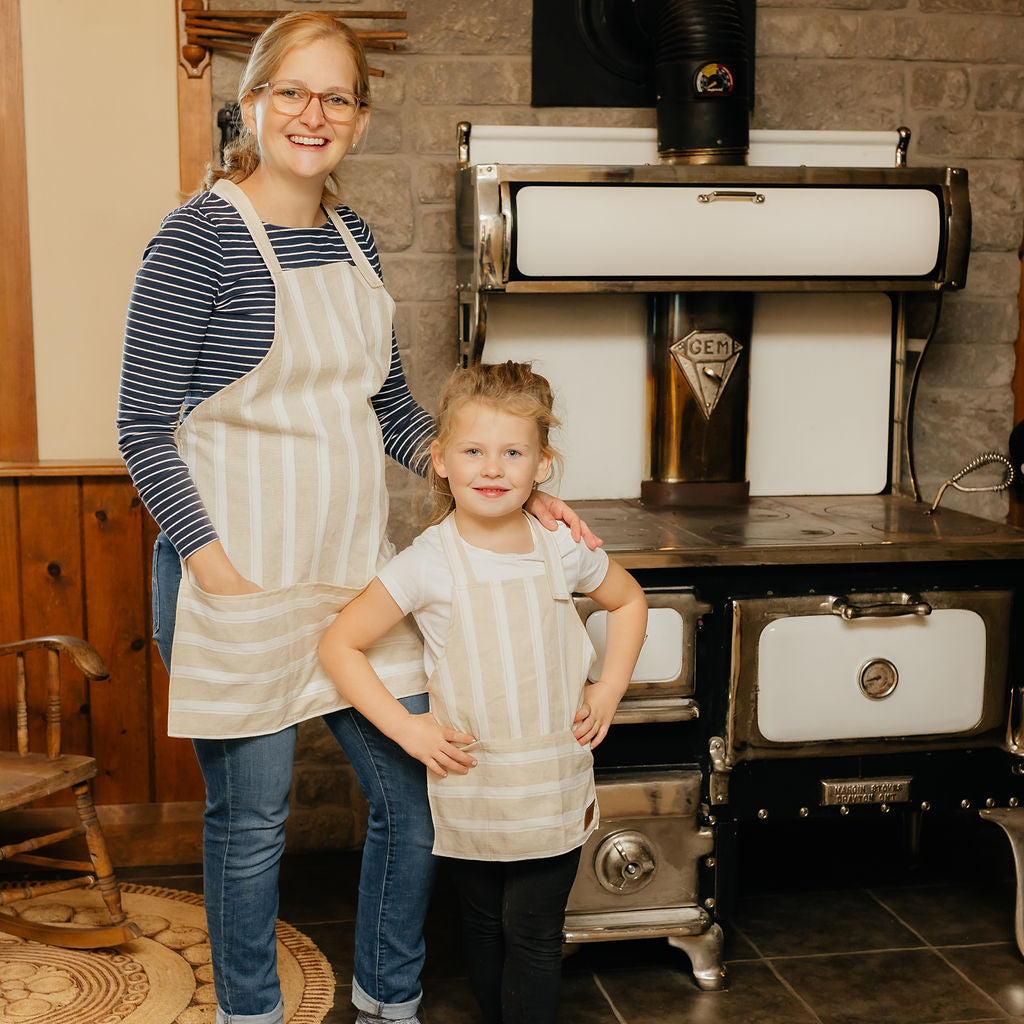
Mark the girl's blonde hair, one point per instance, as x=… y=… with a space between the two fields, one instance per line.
x=511 y=387
x=300 y=28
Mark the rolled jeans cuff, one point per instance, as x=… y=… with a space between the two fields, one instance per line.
x=389 y=1011
x=276 y=1016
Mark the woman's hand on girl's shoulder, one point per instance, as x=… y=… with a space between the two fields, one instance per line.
x=550 y=511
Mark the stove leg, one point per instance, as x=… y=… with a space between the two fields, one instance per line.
x=912 y=822
x=1011 y=821
x=705 y=953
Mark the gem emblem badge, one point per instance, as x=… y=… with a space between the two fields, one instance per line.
x=707 y=359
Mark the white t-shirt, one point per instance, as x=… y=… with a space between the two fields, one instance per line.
x=420 y=582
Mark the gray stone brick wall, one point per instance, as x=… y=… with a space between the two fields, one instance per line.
x=950 y=70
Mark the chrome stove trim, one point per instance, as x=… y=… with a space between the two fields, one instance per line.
x=689 y=929
x=1011 y=821
x=656 y=709
x=611 y=926
x=1014 y=741
x=718 y=780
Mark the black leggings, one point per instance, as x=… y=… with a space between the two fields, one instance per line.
x=512 y=917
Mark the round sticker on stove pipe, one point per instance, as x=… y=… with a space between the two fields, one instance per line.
x=713 y=78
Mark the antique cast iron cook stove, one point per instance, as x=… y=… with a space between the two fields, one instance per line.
x=821 y=648
x=723 y=314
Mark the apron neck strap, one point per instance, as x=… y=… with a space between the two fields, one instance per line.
x=455 y=551
x=544 y=542
x=243 y=204
x=355 y=249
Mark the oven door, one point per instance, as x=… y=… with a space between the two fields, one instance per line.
x=867 y=673
x=662 y=685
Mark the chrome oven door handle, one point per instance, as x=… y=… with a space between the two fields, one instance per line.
x=719 y=194
x=907 y=604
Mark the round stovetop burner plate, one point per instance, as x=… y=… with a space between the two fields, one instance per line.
x=855 y=510
x=913 y=520
x=770 y=532
x=918 y=523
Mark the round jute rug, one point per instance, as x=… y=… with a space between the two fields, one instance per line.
x=165 y=977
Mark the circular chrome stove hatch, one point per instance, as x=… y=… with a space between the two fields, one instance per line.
x=624 y=862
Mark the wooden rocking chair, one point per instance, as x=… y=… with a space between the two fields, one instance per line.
x=25 y=777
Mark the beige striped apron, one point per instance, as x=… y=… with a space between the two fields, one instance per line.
x=289 y=461
x=512 y=674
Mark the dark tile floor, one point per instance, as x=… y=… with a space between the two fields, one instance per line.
x=833 y=925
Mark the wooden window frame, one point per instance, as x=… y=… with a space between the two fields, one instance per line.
x=19 y=440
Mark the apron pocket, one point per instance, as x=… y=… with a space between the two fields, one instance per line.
x=527 y=797
x=247 y=664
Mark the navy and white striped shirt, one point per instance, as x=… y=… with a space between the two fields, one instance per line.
x=201 y=315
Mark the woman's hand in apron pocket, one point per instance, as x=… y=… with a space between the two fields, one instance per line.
x=213 y=573
x=439 y=748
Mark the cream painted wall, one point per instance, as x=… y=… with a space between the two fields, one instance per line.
x=101 y=129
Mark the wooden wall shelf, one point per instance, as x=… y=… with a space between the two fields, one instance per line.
x=64 y=467
x=201 y=30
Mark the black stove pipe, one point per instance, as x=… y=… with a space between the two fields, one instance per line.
x=702 y=79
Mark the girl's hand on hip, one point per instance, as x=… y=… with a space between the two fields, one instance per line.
x=550 y=511
x=438 y=748
x=595 y=715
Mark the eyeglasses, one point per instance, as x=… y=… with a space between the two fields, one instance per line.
x=291 y=98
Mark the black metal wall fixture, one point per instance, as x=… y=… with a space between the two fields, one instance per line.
x=601 y=53
x=229 y=121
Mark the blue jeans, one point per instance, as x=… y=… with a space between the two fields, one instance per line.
x=247 y=786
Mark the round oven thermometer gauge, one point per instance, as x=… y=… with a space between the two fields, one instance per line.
x=878 y=678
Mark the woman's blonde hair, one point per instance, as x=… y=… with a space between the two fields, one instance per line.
x=300 y=28
x=510 y=387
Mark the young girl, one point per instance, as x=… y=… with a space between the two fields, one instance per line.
x=509 y=736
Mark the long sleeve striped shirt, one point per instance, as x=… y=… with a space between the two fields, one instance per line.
x=201 y=316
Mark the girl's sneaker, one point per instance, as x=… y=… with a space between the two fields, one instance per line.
x=369 y=1018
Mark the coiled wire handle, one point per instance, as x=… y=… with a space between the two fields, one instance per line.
x=976 y=463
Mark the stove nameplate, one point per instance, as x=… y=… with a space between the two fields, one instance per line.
x=843 y=792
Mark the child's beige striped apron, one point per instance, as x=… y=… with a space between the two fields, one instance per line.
x=289 y=462
x=512 y=674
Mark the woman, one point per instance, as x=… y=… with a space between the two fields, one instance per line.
x=261 y=388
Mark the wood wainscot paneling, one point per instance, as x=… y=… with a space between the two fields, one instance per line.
x=1016 y=516
x=75 y=557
